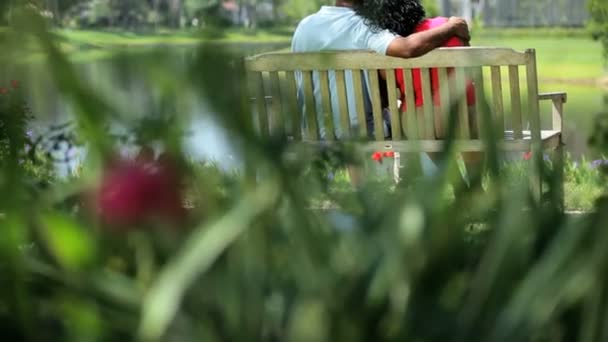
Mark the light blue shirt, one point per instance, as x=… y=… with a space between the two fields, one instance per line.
x=337 y=28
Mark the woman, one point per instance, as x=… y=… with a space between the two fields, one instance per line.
x=405 y=17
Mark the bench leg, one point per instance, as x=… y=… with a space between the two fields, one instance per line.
x=557 y=191
x=535 y=182
x=396 y=168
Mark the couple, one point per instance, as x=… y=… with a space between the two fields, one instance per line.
x=390 y=27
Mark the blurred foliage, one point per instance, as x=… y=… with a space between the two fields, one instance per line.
x=598 y=23
x=432 y=259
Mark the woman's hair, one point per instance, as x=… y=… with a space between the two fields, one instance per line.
x=398 y=16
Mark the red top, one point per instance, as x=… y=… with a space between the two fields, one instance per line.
x=416 y=74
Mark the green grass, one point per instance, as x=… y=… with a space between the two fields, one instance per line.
x=583 y=183
x=108 y=39
x=557 y=57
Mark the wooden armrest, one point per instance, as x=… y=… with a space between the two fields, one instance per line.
x=555 y=96
x=558 y=99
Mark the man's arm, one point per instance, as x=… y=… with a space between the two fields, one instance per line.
x=418 y=44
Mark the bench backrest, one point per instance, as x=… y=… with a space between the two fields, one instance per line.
x=272 y=79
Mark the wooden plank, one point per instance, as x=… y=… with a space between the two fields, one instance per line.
x=557 y=107
x=343 y=60
x=277 y=124
x=534 y=117
x=498 y=108
x=410 y=125
x=427 y=108
x=461 y=98
x=533 y=106
x=444 y=99
x=311 y=109
x=391 y=89
x=294 y=113
x=473 y=111
x=484 y=118
x=516 y=118
x=413 y=146
x=376 y=104
x=343 y=104
x=326 y=106
x=261 y=104
x=359 y=95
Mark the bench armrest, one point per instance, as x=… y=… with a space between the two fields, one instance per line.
x=558 y=99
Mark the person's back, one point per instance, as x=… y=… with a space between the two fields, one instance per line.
x=338 y=28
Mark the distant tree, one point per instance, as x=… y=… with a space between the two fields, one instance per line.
x=598 y=23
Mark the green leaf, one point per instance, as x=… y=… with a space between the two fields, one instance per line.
x=70 y=243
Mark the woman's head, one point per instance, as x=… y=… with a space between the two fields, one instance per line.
x=397 y=16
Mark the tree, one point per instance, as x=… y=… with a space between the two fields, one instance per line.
x=598 y=10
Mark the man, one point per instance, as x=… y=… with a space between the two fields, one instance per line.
x=339 y=27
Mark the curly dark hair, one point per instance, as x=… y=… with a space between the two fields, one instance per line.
x=397 y=16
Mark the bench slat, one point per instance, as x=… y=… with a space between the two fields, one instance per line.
x=342 y=103
x=261 y=103
x=428 y=118
x=444 y=100
x=276 y=122
x=326 y=106
x=391 y=90
x=295 y=114
x=311 y=117
x=376 y=104
x=498 y=108
x=460 y=98
x=480 y=98
x=408 y=118
x=516 y=119
x=343 y=60
x=472 y=109
x=359 y=94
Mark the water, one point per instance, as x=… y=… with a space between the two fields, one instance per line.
x=121 y=82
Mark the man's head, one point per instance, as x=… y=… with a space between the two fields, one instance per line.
x=397 y=16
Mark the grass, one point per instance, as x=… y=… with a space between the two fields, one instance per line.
x=584 y=183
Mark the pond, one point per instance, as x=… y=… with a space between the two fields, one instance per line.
x=125 y=87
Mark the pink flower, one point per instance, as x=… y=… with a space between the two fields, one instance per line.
x=15 y=84
x=528 y=155
x=389 y=154
x=3 y=90
x=132 y=192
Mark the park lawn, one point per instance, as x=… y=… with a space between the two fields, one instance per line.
x=572 y=56
x=109 y=39
x=575 y=58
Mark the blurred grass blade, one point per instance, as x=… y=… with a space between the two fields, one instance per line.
x=70 y=243
x=202 y=249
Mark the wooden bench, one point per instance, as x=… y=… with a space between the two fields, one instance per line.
x=272 y=78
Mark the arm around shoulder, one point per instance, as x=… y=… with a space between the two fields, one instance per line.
x=418 y=44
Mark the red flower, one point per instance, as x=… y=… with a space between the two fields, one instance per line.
x=377 y=156
x=3 y=90
x=134 y=191
x=389 y=154
x=528 y=155
x=15 y=84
